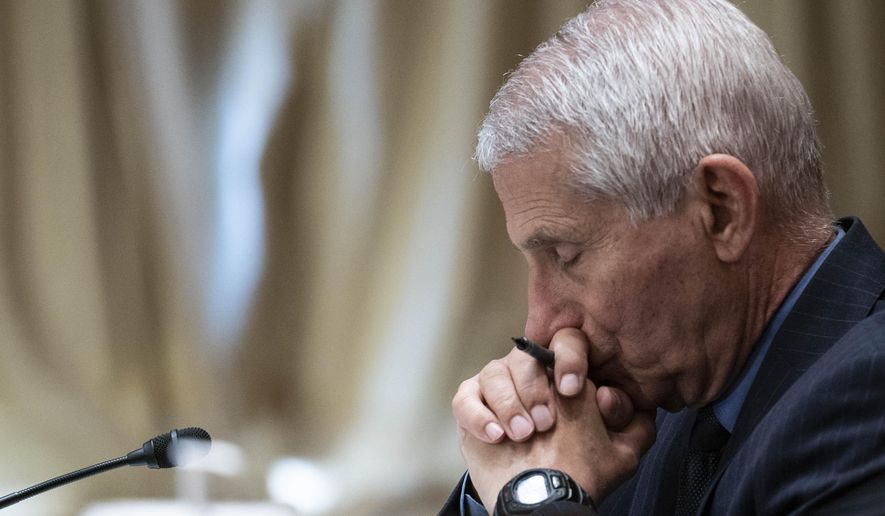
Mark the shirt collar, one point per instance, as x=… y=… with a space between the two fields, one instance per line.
x=727 y=409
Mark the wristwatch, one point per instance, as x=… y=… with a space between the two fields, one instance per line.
x=535 y=488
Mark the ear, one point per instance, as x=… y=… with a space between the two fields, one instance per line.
x=729 y=204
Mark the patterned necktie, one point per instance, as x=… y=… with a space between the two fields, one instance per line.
x=708 y=437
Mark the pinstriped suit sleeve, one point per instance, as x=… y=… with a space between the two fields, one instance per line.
x=821 y=449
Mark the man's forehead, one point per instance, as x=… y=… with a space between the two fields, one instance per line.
x=538 y=173
x=541 y=210
x=529 y=185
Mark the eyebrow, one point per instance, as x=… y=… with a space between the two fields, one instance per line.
x=540 y=239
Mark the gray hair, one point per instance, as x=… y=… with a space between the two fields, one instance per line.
x=641 y=90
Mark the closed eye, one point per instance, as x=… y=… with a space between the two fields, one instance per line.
x=566 y=255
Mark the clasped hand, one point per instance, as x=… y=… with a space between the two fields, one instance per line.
x=512 y=417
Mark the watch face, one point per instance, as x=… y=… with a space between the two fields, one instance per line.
x=532 y=490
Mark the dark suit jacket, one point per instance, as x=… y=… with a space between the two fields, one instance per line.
x=810 y=438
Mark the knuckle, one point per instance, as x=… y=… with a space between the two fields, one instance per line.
x=630 y=456
x=537 y=392
x=463 y=394
x=457 y=400
x=506 y=403
x=457 y=409
x=463 y=388
x=632 y=459
x=497 y=365
x=508 y=399
x=493 y=369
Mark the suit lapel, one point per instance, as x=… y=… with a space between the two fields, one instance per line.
x=841 y=293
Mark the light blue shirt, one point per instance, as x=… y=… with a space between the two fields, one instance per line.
x=728 y=408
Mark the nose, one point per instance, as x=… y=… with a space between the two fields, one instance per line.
x=551 y=308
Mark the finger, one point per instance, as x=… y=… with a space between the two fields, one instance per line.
x=571 y=347
x=533 y=388
x=582 y=408
x=499 y=393
x=636 y=438
x=615 y=407
x=472 y=415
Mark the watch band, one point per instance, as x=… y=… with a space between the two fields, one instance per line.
x=535 y=488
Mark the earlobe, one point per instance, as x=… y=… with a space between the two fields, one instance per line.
x=729 y=202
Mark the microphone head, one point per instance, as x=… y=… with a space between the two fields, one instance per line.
x=179 y=447
x=174 y=448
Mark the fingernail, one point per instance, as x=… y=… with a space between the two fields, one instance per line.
x=605 y=395
x=520 y=427
x=570 y=385
x=542 y=417
x=494 y=431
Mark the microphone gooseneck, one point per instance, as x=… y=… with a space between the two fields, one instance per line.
x=174 y=448
x=59 y=481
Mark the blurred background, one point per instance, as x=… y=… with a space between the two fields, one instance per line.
x=262 y=217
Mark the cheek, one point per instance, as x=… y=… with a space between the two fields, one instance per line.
x=638 y=304
x=617 y=293
x=602 y=301
x=658 y=285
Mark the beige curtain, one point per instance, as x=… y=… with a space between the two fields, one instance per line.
x=261 y=217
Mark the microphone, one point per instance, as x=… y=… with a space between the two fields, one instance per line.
x=174 y=448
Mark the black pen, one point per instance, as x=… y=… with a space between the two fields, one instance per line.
x=543 y=355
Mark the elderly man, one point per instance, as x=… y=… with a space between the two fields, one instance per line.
x=659 y=170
